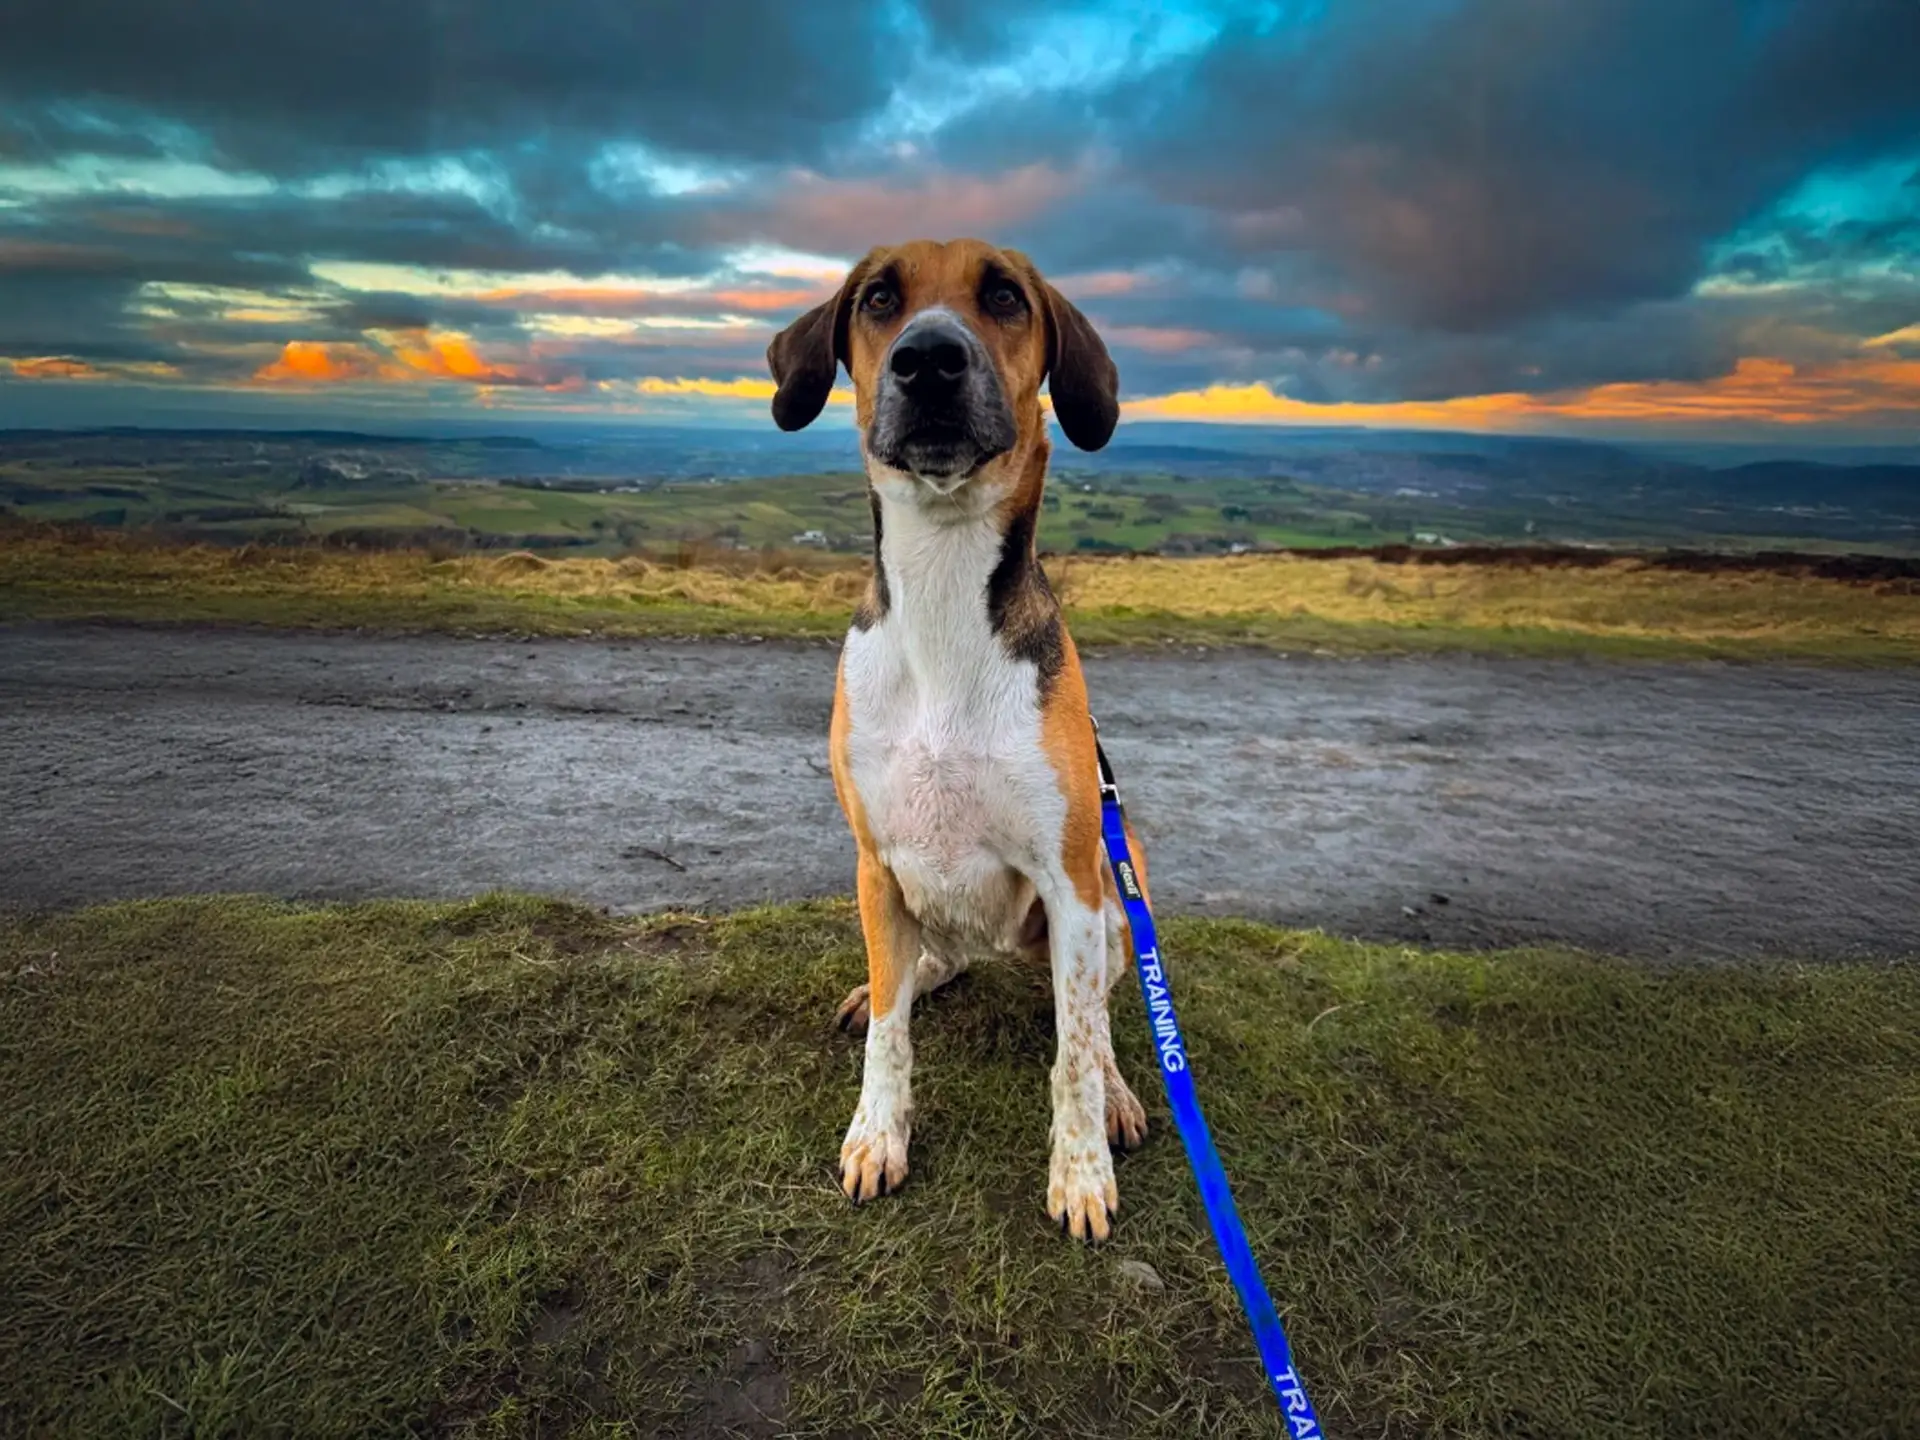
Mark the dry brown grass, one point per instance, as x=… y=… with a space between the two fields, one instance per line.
x=1294 y=601
x=52 y=573
x=1625 y=598
x=780 y=586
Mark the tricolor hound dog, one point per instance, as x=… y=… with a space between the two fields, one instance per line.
x=961 y=744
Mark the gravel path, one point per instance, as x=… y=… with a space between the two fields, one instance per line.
x=1685 y=809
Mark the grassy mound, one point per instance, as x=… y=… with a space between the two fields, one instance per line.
x=512 y=1167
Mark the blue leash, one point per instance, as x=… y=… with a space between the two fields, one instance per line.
x=1170 y=1047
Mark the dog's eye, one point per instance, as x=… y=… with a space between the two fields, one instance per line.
x=1004 y=298
x=879 y=298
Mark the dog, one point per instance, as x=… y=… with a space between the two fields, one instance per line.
x=962 y=748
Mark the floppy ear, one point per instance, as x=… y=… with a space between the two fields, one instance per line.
x=1080 y=374
x=807 y=355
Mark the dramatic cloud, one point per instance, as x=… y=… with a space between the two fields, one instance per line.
x=280 y=88
x=1625 y=215
x=55 y=367
x=1463 y=165
x=309 y=362
x=1874 y=391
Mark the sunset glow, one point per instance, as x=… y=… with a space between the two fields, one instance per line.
x=54 y=367
x=1267 y=223
x=744 y=388
x=1758 y=390
x=310 y=362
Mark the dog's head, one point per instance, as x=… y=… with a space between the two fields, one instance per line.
x=948 y=345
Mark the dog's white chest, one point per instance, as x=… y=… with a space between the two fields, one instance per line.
x=938 y=779
x=944 y=745
x=958 y=797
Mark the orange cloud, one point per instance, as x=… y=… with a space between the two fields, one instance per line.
x=54 y=367
x=1758 y=389
x=1257 y=404
x=413 y=355
x=452 y=357
x=1763 y=389
x=744 y=388
x=767 y=299
x=312 y=362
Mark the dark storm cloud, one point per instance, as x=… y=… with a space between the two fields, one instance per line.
x=1468 y=165
x=272 y=241
x=287 y=87
x=434 y=230
x=964 y=27
x=1112 y=223
x=72 y=296
x=72 y=315
x=52 y=128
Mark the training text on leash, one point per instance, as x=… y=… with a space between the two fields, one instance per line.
x=1300 y=1419
x=1166 y=1031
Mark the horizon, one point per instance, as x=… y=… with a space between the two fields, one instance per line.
x=559 y=431
x=1650 y=225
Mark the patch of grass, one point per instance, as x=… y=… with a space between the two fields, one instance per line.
x=1344 y=604
x=512 y=1167
x=50 y=576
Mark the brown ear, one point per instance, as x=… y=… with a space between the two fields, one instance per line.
x=1080 y=374
x=807 y=355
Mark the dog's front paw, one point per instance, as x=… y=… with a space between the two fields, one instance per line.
x=1082 y=1197
x=873 y=1157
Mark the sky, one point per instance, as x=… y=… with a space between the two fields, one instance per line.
x=1661 y=219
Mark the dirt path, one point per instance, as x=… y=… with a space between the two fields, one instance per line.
x=1686 y=809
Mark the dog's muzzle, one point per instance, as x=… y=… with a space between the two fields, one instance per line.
x=940 y=412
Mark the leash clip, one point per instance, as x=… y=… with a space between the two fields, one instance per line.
x=1109 y=787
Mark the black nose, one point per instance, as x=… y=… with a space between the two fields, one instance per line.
x=929 y=359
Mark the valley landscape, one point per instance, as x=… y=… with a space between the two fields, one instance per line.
x=1165 y=488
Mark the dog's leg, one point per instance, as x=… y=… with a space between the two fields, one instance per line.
x=941 y=960
x=873 y=1158
x=1081 y=1194
x=1126 y=1116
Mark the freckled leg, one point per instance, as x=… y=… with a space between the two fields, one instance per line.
x=1081 y=1194
x=940 y=961
x=1126 y=1117
x=873 y=1158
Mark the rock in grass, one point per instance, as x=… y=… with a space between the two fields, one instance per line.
x=1141 y=1276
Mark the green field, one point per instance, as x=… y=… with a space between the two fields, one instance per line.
x=510 y=1167
x=614 y=496
x=1181 y=490
x=753 y=513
